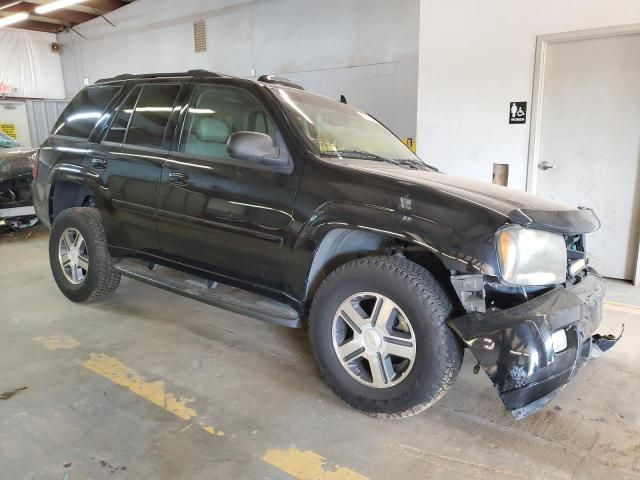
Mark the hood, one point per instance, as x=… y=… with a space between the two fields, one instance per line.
x=9 y=152
x=519 y=207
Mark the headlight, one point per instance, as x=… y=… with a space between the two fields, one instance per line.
x=531 y=257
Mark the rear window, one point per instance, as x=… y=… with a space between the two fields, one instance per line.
x=84 y=111
x=151 y=115
x=119 y=126
x=143 y=117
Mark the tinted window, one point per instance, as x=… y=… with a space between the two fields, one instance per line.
x=151 y=115
x=217 y=112
x=121 y=122
x=83 y=112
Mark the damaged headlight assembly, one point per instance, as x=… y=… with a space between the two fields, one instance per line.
x=529 y=256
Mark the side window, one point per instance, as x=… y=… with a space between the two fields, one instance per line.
x=150 y=117
x=119 y=126
x=84 y=111
x=214 y=114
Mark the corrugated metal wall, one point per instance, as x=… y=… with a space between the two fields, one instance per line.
x=42 y=114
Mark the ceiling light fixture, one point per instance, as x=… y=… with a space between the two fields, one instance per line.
x=11 y=19
x=58 y=4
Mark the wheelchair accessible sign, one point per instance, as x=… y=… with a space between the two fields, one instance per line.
x=517 y=113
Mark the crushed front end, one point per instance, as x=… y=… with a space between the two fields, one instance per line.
x=16 y=206
x=531 y=340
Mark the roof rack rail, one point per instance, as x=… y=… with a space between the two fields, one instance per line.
x=189 y=73
x=279 y=81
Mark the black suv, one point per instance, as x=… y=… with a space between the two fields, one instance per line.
x=287 y=206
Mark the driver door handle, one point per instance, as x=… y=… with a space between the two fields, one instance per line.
x=544 y=165
x=178 y=178
x=99 y=163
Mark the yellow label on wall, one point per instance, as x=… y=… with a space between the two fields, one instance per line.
x=410 y=142
x=9 y=129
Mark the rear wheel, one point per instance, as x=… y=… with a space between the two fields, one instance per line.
x=79 y=258
x=378 y=332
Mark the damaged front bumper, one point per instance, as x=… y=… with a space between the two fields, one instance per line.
x=534 y=349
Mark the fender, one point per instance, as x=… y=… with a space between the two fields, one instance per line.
x=388 y=225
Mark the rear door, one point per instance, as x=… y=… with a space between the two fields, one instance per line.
x=220 y=214
x=129 y=162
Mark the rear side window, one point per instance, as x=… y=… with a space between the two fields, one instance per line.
x=119 y=126
x=151 y=115
x=84 y=111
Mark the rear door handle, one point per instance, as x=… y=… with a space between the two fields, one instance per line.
x=99 y=163
x=178 y=178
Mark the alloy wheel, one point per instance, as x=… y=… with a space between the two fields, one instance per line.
x=73 y=256
x=374 y=340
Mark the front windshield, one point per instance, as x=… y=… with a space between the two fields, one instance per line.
x=341 y=131
x=7 y=142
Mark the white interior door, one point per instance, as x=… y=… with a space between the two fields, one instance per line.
x=590 y=136
x=13 y=121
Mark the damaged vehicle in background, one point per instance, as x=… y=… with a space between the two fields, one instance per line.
x=16 y=174
x=293 y=208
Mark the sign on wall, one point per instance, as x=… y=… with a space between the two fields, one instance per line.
x=9 y=129
x=410 y=142
x=517 y=113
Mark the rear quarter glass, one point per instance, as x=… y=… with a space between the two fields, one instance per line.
x=84 y=111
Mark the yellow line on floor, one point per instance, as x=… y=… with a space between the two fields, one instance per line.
x=56 y=342
x=302 y=465
x=119 y=373
x=307 y=465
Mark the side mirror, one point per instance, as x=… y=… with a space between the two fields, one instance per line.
x=254 y=147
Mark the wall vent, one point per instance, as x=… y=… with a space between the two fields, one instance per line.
x=200 y=36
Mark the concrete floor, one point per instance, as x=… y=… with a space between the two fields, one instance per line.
x=152 y=385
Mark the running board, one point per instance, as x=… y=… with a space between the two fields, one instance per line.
x=212 y=293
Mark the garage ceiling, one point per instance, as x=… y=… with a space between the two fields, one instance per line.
x=58 y=20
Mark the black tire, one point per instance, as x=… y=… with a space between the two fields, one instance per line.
x=101 y=279
x=417 y=292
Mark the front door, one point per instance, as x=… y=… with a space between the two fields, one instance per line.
x=128 y=165
x=219 y=214
x=590 y=141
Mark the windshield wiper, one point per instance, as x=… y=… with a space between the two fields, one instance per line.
x=357 y=154
x=410 y=162
x=401 y=162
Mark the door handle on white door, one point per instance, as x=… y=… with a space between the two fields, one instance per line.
x=545 y=165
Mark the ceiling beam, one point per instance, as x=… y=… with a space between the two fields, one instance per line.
x=39 y=26
x=66 y=16
x=9 y=3
x=76 y=8
x=34 y=18
x=105 y=4
x=61 y=19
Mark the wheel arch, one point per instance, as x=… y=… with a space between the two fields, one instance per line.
x=68 y=188
x=330 y=242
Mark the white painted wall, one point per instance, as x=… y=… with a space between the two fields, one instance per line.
x=28 y=64
x=364 y=49
x=476 y=57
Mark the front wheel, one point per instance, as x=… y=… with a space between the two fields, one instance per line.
x=79 y=258
x=378 y=332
